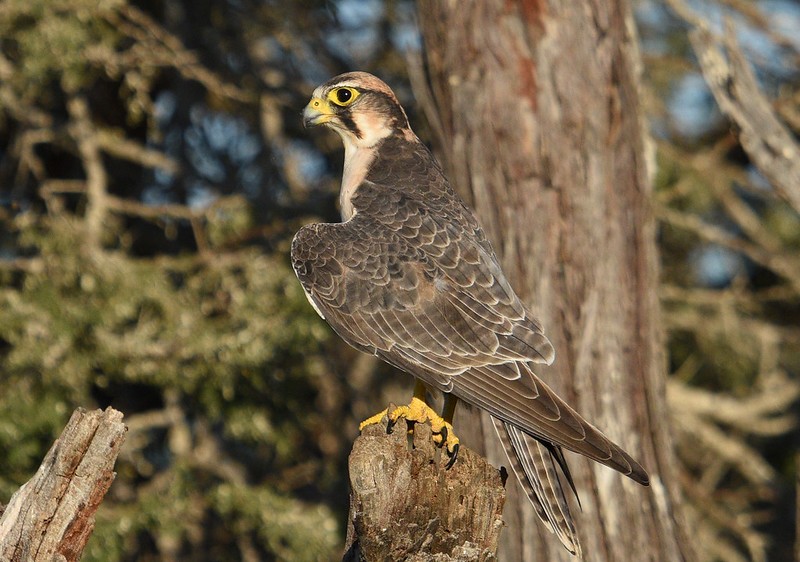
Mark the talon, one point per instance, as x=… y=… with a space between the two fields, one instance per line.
x=443 y=434
x=450 y=442
x=418 y=411
x=453 y=457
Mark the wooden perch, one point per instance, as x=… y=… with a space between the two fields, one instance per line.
x=51 y=517
x=406 y=505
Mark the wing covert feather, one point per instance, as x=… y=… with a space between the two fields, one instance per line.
x=400 y=281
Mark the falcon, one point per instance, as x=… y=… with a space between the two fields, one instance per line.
x=409 y=276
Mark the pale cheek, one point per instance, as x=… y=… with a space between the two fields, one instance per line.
x=373 y=127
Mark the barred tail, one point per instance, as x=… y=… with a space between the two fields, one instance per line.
x=534 y=464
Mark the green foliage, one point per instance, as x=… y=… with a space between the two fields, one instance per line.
x=255 y=515
x=228 y=337
x=53 y=41
x=105 y=317
x=185 y=317
x=293 y=531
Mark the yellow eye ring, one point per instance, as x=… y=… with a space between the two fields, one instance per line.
x=343 y=96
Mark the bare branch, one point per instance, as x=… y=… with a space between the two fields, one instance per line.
x=767 y=141
x=121 y=147
x=711 y=522
x=713 y=440
x=763 y=413
x=786 y=266
x=84 y=134
x=9 y=100
x=167 y=210
x=146 y=31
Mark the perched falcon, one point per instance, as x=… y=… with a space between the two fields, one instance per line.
x=409 y=276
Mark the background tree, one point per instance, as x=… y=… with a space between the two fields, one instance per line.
x=729 y=231
x=538 y=108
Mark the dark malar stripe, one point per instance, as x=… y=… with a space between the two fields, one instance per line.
x=348 y=122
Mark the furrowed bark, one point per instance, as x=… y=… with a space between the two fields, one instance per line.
x=536 y=107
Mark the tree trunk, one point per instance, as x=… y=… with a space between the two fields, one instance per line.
x=51 y=517
x=541 y=131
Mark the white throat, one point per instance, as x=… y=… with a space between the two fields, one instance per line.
x=359 y=152
x=357 y=160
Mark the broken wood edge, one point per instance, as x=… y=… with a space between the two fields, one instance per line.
x=52 y=516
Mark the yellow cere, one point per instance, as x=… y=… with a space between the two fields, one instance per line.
x=320 y=105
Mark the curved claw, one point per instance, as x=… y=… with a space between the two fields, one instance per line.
x=453 y=457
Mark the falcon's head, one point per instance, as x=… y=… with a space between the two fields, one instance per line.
x=358 y=106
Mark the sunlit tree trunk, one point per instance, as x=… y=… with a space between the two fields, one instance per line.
x=540 y=129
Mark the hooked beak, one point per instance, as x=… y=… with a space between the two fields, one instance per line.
x=317 y=112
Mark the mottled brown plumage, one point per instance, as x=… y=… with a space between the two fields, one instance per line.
x=410 y=277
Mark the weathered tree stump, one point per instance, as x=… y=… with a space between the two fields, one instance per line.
x=51 y=517
x=405 y=505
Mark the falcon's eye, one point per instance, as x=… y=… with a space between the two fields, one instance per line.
x=343 y=96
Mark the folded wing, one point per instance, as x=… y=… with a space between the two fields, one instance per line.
x=430 y=300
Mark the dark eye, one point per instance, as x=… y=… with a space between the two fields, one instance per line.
x=343 y=95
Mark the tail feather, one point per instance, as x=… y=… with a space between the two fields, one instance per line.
x=534 y=464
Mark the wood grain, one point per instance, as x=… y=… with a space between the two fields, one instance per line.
x=406 y=505
x=51 y=517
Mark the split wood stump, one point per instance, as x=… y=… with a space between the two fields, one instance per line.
x=405 y=505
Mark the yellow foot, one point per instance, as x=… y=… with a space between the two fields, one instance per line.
x=372 y=420
x=418 y=411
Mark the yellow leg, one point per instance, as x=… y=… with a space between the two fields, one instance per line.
x=418 y=411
